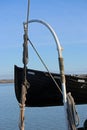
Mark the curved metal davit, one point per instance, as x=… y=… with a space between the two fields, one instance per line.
x=61 y=64
x=59 y=49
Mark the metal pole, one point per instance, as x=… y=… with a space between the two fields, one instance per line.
x=61 y=65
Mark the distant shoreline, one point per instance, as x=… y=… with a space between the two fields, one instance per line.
x=6 y=81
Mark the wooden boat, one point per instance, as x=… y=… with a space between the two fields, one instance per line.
x=42 y=90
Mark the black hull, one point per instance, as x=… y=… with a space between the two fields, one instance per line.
x=43 y=91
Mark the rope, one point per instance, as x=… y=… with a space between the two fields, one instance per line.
x=45 y=66
x=72 y=113
x=25 y=50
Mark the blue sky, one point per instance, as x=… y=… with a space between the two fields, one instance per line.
x=67 y=17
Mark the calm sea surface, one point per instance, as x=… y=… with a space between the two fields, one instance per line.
x=48 y=118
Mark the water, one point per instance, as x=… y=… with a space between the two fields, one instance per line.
x=48 y=118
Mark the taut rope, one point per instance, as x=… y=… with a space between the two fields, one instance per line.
x=45 y=66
